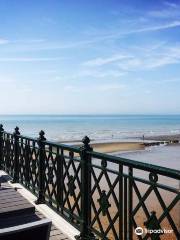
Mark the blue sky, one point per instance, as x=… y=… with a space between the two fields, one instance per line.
x=98 y=56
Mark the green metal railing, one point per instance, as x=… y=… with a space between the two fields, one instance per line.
x=103 y=196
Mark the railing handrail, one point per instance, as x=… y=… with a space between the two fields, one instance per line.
x=169 y=172
x=22 y=136
x=64 y=146
x=52 y=143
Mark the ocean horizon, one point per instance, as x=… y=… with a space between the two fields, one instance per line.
x=98 y=127
x=104 y=128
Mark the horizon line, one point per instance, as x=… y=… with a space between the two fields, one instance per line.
x=83 y=114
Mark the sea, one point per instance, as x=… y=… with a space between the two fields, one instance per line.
x=104 y=128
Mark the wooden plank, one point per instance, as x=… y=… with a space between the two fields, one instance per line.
x=18 y=201
x=15 y=199
x=10 y=208
x=7 y=191
x=15 y=208
x=8 y=187
x=40 y=227
x=8 y=194
x=13 y=203
x=17 y=220
x=22 y=209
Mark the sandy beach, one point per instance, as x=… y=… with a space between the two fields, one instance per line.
x=117 y=146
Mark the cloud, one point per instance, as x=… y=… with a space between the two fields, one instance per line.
x=111 y=34
x=3 y=41
x=28 y=59
x=171 y=10
x=132 y=64
x=44 y=45
x=103 y=61
x=98 y=73
x=154 y=60
x=95 y=88
x=30 y=41
x=157 y=27
x=115 y=34
x=111 y=87
x=170 y=4
x=155 y=56
x=6 y=80
x=148 y=62
x=136 y=58
x=25 y=89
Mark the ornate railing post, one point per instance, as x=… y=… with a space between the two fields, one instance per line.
x=85 y=232
x=1 y=146
x=16 y=135
x=60 y=179
x=41 y=168
x=27 y=163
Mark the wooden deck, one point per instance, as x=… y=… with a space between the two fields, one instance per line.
x=16 y=210
x=55 y=233
x=12 y=203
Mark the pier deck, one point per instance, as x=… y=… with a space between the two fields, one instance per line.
x=16 y=210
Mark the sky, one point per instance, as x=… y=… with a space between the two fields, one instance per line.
x=89 y=57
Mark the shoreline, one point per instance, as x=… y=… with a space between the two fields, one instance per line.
x=169 y=138
x=125 y=145
x=112 y=147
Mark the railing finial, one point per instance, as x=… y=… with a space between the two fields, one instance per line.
x=41 y=136
x=1 y=128
x=16 y=131
x=86 y=141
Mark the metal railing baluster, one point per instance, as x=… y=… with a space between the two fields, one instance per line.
x=41 y=168
x=1 y=146
x=16 y=135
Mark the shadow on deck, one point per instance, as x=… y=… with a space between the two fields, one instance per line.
x=16 y=210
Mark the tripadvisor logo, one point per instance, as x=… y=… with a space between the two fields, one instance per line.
x=140 y=231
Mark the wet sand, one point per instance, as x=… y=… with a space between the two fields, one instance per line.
x=117 y=146
x=138 y=144
x=172 y=137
